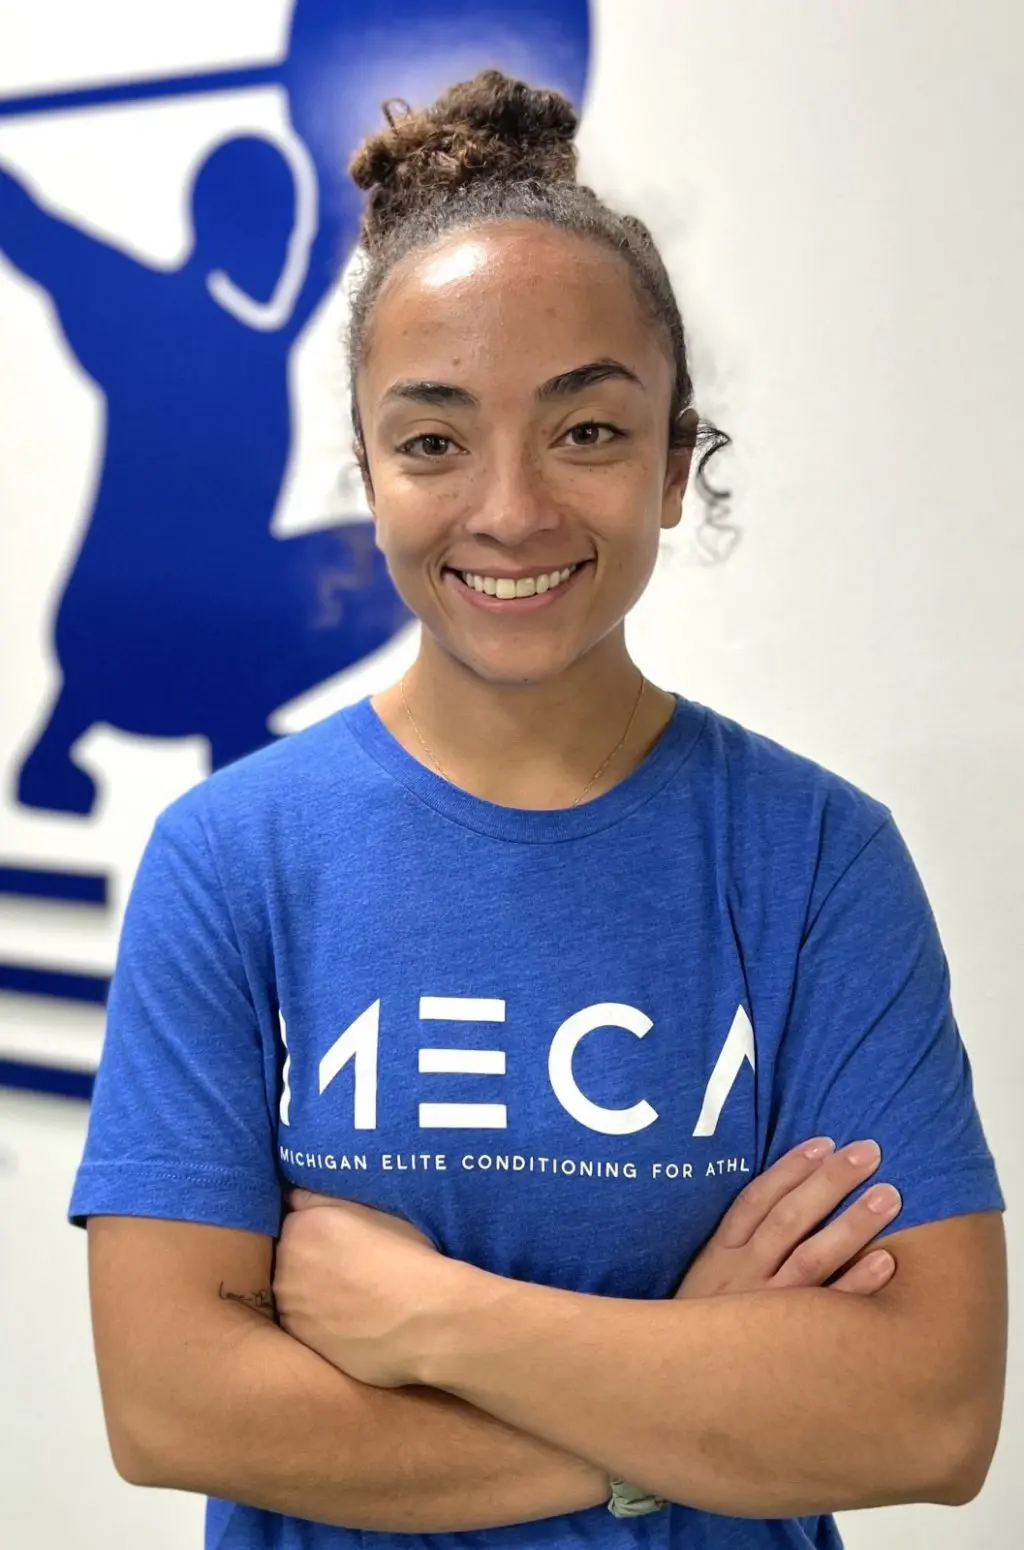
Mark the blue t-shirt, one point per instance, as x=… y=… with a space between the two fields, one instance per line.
x=559 y=1043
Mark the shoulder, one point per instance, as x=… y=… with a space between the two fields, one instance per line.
x=784 y=804
x=307 y=784
x=760 y=770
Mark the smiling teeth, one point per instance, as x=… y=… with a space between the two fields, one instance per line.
x=503 y=587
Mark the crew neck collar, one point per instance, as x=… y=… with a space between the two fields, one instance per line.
x=526 y=825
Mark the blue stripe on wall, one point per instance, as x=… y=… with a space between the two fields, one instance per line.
x=39 y=883
x=24 y=981
x=140 y=91
x=46 y=1079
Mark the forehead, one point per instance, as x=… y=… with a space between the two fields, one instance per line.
x=513 y=304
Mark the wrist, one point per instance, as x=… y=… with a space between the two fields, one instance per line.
x=594 y=1485
x=453 y=1330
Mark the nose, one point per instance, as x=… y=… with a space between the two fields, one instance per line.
x=515 y=501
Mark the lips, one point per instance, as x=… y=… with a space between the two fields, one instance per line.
x=508 y=588
x=524 y=593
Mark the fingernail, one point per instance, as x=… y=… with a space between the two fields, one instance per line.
x=879 y=1263
x=884 y=1200
x=863 y=1153
x=820 y=1148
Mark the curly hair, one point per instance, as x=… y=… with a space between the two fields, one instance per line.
x=496 y=149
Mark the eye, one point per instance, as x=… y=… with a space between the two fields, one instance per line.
x=591 y=433
x=429 y=445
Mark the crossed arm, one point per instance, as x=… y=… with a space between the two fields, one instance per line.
x=203 y=1392
x=787 y=1400
x=777 y=1402
x=763 y=1404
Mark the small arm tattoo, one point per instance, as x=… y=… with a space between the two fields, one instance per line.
x=262 y=1301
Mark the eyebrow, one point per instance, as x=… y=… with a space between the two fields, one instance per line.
x=441 y=394
x=565 y=385
x=569 y=382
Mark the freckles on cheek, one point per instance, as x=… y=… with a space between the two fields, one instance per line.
x=415 y=523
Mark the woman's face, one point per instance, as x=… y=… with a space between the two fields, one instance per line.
x=515 y=406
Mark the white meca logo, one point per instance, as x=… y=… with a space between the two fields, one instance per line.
x=359 y=1044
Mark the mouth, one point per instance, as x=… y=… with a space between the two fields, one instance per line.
x=518 y=594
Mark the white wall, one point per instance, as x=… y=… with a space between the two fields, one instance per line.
x=838 y=190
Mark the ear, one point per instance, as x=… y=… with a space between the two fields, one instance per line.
x=677 y=468
x=677 y=477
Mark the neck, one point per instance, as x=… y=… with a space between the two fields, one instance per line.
x=527 y=745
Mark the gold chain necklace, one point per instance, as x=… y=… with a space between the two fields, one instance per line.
x=591 y=782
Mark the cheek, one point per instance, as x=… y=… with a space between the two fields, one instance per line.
x=415 y=517
x=622 y=504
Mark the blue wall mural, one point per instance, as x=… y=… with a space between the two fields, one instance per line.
x=182 y=613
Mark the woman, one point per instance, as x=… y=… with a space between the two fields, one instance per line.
x=533 y=980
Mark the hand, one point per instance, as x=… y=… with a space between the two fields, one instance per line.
x=358 y=1286
x=763 y=1239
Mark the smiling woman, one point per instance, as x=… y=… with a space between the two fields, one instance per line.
x=522 y=406
x=691 y=979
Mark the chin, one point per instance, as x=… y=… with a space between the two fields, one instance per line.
x=517 y=668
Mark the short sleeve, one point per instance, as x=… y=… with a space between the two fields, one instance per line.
x=871 y=1048
x=180 y=1126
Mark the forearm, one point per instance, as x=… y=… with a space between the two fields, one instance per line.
x=258 y=1418
x=20 y=217
x=763 y=1404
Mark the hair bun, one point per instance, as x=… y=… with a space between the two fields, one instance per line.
x=491 y=127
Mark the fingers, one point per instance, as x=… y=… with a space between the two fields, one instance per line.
x=805 y=1207
x=303 y=1199
x=820 y=1256
x=868 y=1275
x=750 y=1208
